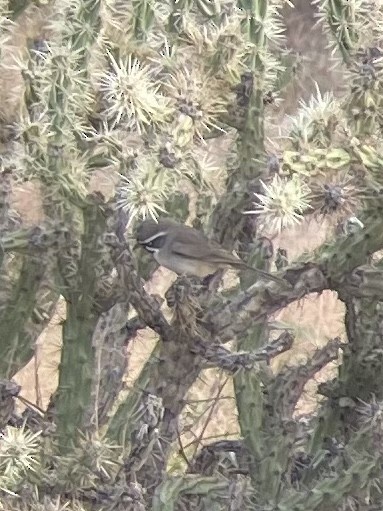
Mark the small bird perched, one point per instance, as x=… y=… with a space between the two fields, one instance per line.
x=187 y=251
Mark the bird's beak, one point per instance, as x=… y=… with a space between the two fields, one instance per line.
x=136 y=246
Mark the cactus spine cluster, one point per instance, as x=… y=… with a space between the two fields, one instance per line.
x=143 y=91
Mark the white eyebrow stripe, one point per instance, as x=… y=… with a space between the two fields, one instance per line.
x=154 y=237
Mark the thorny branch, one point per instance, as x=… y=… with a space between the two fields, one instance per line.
x=8 y=391
x=112 y=362
x=33 y=239
x=287 y=387
x=228 y=320
x=327 y=270
x=217 y=355
x=147 y=307
x=211 y=456
x=133 y=326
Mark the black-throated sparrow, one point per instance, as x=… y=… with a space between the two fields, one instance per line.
x=187 y=251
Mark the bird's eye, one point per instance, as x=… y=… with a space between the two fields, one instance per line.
x=155 y=243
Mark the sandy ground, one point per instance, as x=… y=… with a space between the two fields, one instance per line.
x=315 y=319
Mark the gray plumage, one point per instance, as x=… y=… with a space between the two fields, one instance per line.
x=187 y=251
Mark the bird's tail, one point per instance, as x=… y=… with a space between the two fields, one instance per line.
x=243 y=266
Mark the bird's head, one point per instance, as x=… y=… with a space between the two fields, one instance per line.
x=152 y=235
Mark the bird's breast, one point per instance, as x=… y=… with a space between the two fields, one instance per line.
x=185 y=266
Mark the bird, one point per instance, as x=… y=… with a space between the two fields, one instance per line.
x=187 y=251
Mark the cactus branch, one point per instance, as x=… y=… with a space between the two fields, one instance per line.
x=77 y=358
x=147 y=307
x=111 y=364
x=217 y=355
x=15 y=345
x=287 y=387
x=327 y=271
x=8 y=391
x=332 y=489
x=340 y=19
x=169 y=492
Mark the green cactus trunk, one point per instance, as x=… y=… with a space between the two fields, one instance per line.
x=77 y=357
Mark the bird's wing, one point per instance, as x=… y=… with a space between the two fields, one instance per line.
x=188 y=249
x=208 y=251
x=211 y=252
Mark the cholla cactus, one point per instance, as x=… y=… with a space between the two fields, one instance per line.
x=145 y=91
